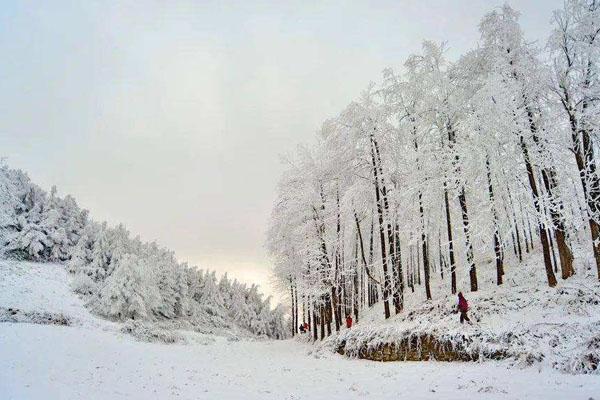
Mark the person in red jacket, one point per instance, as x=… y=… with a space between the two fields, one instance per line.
x=463 y=307
x=348 y=321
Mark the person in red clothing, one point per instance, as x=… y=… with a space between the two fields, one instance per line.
x=463 y=307
x=348 y=321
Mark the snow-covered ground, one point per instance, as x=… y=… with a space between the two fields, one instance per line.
x=93 y=359
x=523 y=320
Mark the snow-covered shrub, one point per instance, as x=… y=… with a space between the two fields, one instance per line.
x=150 y=333
x=129 y=292
x=34 y=225
x=84 y=285
x=586 y=359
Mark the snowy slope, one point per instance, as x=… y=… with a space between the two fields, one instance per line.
x=92 y=359
x=36 y=288
x=521 y=320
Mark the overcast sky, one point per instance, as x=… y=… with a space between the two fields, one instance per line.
x=170 y=116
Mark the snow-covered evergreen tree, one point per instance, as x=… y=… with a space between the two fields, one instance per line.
x=129 y=292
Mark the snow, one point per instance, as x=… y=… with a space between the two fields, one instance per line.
x=557 y=327
x=94 y=359
x=100 y=365
x=38 y=287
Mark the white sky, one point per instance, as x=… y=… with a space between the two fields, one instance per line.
x=170 y=116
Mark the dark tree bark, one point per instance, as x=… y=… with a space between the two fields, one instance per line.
x=296 y=308
x=516 y=226
x=556 y=209
x=552 y=252
x=322 y=319
x=543 y=238
x=441 y=255
x=399 y=263
x=426 y=267
x=450 y=241
x=426 y=271
x=585 y=159
x=355 y=298
x=497 y=245
x=294 y=326
x=462 y=200
x=384 y=261
x=396 y=295
x=314 y=320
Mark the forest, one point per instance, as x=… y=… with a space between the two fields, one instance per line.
x=121 y=277
x=446 y=167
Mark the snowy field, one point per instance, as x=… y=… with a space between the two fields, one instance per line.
x=93 y=359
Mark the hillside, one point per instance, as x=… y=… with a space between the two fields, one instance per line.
x=520 y=321
x=120 y=277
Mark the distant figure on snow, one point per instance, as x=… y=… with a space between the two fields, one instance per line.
x=463 y=307
x=302 y=329
x=306 y=327
x=348 y=321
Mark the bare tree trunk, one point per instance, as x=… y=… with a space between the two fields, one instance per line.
x=425 y=251
x=516 y=225
x=527 y=244
x=497 y=245
x=530 y=233
x=328 y=314
x=552 y=252
x=586 y=163
x=544 y=239
x=441 y=255
x=462 y=199
x=411 y=271
x=322 y=319
x=426 y=271
x=370 y=263
x=362 y=249
x=335 y=288
x=314 y=320
x=556 y=210
x=303 y=310
x=396 y=295
x=450 y=241
x=399 y=263
x=309 y=314
x=296 y=308
x=418 y=269
x=294 y=326
x=386 y=277
x=355 y=299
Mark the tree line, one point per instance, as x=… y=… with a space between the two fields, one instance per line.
x=121 y=277
x=442 y=166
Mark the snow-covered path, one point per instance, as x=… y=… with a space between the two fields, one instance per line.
x=92 y=359
x=55 y=362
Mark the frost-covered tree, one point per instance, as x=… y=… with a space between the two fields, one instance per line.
x=443 y=166
x=122 y=277
x=129 y=292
